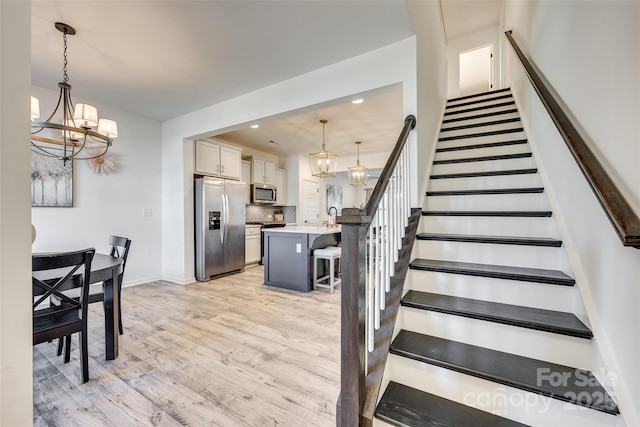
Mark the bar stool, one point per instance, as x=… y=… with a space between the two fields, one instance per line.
x=331 y=254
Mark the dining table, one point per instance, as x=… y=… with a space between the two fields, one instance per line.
x=106 y=269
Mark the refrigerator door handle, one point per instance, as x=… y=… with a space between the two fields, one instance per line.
x=225 y=213
x=223 y=220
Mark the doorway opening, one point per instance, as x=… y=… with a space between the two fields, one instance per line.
x=476 y=70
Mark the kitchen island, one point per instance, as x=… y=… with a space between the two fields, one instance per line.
x=288 y=254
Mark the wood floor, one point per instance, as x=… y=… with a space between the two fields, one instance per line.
x=229 y=352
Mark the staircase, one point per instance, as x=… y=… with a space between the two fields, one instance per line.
x=491 y=330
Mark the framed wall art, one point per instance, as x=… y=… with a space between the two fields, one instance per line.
x=51 y=182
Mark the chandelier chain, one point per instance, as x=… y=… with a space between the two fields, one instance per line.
x=64 y=68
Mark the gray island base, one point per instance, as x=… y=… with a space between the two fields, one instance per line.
x=288 y=260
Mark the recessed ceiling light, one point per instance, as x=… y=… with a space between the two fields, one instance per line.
x=255 y=126
x=357 y=101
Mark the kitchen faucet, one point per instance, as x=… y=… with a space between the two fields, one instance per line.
x=332 y=219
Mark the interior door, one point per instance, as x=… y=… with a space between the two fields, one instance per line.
x=475 y=70
x=310 y=202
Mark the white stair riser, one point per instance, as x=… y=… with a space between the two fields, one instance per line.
x=512 y=136
x=488 y=202
x=560 y=349
x=482 y=119
x=508 y=402
x=482 y=152
x=459 y=111
x=465 y=142
x=494 y=254
x=497 y=226
x=474 y=130
x=482 y=166
x=457 y=106
x=486 y=182
x=536 y=295
x=478 y=97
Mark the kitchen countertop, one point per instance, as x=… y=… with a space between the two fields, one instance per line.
x=307 y=229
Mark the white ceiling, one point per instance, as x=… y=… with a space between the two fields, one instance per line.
x=462 y=17
x=162 y=59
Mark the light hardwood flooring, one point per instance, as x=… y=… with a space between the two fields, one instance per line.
x=229 y=352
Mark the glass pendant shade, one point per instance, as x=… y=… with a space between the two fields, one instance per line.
x=358 y=173
x=323 y=163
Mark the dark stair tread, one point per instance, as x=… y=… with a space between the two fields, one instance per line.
x=489 y=92
x=537 y=376
x=484 y=107
x=482 y=134
x=498 y=240
x=483 y=158
x=482 y=124
x=537 y=275
x=525 y=317
x=485 y=173
x=479 y=101
x=487 y=191
x=481 y=116
x=402 y=405
x=477 y=146
x=502 y=214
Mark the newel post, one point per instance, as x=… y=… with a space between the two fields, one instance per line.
x=354 y=224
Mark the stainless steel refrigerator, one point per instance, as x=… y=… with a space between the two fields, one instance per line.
x=219 y=227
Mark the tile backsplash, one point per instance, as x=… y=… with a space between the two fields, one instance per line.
x=261 y=213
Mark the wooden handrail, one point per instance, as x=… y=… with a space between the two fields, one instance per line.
x=355 y=224
x=381 y=185
x=620 y=213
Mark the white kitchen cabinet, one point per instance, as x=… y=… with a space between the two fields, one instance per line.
x=252 y=244
x=217 y=159
x=262 y=171
x=281 y=184
x=245 y=176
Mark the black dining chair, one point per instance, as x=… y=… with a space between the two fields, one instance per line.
x=51 y=321
x=119 y=248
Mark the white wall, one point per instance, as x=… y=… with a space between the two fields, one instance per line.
x=590 y=52
x=394 y=64
x=16 y=392
x=113 y=203
x=487 y=36
x=431 y=89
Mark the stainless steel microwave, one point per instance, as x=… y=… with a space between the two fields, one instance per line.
x=263 y=193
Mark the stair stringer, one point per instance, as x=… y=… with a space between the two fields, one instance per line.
x=410 y=372
x=605 y=365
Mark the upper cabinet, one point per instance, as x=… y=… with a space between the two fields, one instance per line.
x=262 y=171
x=217 y=159
x=281 y=183
x=246 y=178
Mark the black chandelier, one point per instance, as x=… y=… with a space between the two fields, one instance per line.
x=67 y=138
